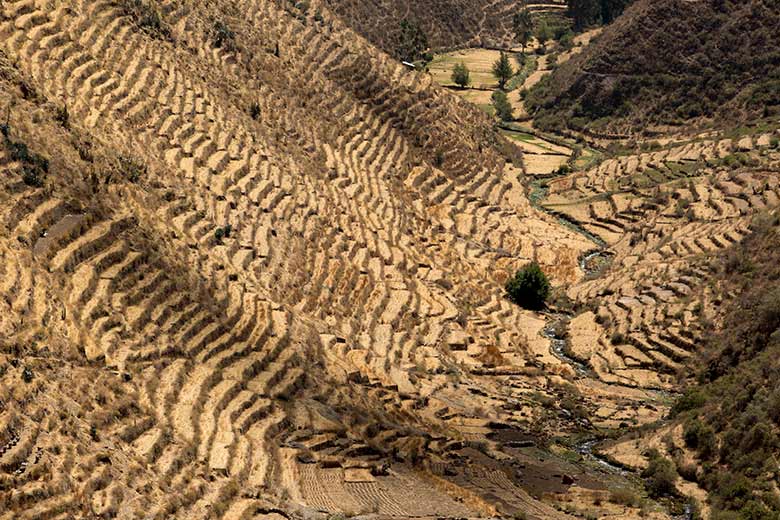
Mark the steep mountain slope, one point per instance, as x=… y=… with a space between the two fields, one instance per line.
x=447 y=23
x=249 y=264
x=670 y=62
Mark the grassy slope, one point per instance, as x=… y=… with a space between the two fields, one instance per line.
x=670 y=62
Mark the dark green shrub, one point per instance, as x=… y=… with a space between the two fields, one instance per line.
x=438 y=160
x=755 y=510
x=691 y=433
x=692 y=398
x=146 y=17
x=131 y=170
x=254 y=110
x=567 y=40
x=660 y=475
x=544 y=33
x=31 y=177
x=529 y=288
x=773 y=406
x=624 y=496
x=700 y=437
x=688 y=471
x=461 y=75
x=34 y=166
x=62 y=117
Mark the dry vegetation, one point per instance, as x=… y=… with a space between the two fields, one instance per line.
x=709 y=60
x=447 y=23
x=251 y=266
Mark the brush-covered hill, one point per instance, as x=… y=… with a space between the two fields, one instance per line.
x=248 y=264
x=670 y=62
x=445 y=23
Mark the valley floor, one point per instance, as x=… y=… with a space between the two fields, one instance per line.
x=656 y=215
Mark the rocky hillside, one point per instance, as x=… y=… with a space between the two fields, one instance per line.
x=670 y=62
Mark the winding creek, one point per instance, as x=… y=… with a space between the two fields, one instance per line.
x=592 y=263
x=585 y=448
x=558 y=345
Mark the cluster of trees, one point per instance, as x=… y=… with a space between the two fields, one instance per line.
x=503 y=71
x=525 y=29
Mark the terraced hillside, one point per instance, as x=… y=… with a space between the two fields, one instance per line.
x=251 y=266
x=661 y=214
x=446 y=23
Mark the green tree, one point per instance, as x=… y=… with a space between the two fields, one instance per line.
x=543 y=33
x=412 y=42
x=223 y=36
x=530 y=287
x=503 y=70
x=523 y=25
x=461 y=75
x=502 y=105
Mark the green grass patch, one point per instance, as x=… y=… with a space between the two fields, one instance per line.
x=683 y=169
